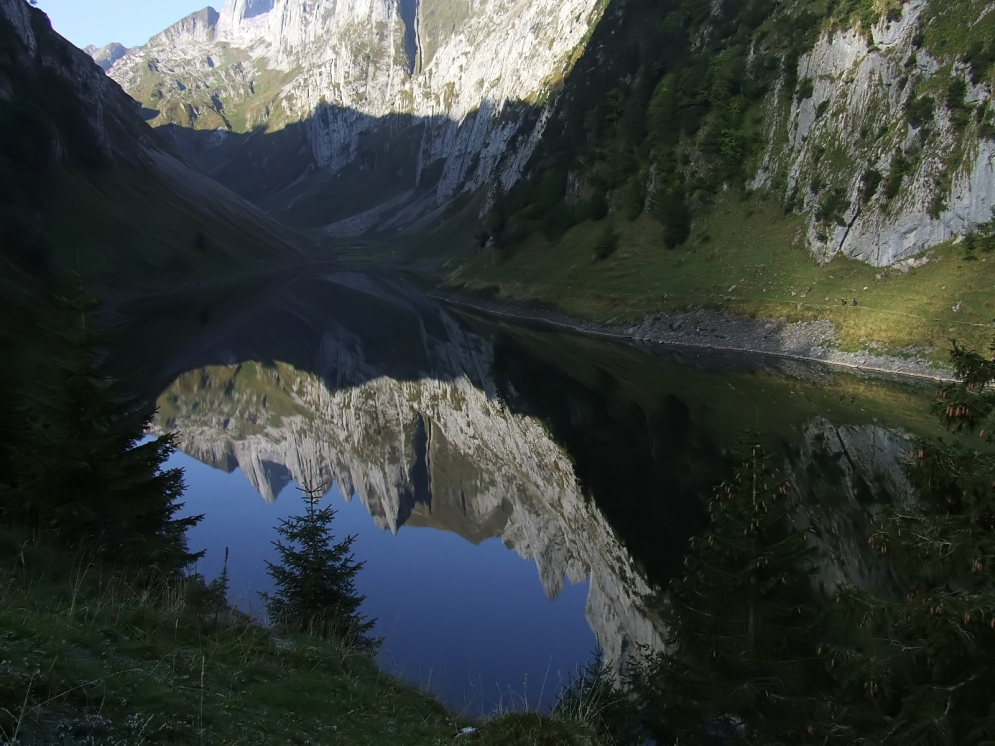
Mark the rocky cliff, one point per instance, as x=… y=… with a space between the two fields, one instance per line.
x=106 y=56
x=896 y=104
x=437 y=97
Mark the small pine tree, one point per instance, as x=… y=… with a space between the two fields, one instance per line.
x=82 y=470
x=315 y=580
x=744 y=620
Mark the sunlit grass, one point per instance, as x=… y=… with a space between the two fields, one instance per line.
x=748 y=258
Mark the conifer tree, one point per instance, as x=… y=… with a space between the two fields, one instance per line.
x=85 y=473
x=315 y=580
x=740 y=662
x=921 y=668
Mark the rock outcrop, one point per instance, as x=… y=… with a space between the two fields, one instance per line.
x=856 y=127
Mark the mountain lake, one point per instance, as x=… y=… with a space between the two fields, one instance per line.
x=520 y=497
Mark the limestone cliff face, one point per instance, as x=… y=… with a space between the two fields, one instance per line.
x=441 y=451
x=375 y=114
x=857 y=122
x=459 y=85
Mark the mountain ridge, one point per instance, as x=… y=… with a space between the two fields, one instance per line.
x=803 y=137
x=341 y=76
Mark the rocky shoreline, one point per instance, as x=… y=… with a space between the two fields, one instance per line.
x=813 y=341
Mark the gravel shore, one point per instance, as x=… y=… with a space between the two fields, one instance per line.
x=812 y=341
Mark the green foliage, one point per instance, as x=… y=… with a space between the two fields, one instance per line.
x=987 y=129
x=315 y=581
x=869 y=183
x=497 y=217
x=597 y=205
x=545 y=192
x=983 y=238
x=79 y=468
x=128 y=662
x=634 y=197
x=663 y=83
x=594 y=697
x=979 y=58
x=832 y=207
x=920 y=110
x=527 y=728
x=756 y=655
x=555 y=222
x=744 y=623
x=920 y=665
x=805 y=90
x=960 y=112
x=901 y=167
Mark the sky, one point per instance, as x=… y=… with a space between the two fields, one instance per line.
x=129 y=22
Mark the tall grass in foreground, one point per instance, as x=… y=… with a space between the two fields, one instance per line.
x=93 y=654
x=89 y=655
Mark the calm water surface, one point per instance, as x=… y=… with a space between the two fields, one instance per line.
x=520 y=497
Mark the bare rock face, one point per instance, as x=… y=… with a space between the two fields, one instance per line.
x=436 y=96
x=108 y=55
x=856 y=128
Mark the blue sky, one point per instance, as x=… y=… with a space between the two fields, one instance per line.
x=130 y=22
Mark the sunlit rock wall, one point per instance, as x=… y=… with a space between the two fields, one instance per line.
x=856 y=119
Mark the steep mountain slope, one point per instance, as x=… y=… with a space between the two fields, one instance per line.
x=378 y=111
x=86 y=181
x=871 y=119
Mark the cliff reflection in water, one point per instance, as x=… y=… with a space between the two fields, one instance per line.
x=591 y=460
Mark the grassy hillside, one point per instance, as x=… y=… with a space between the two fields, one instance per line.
x=90 y=657
x=745 y=257
x=147 y=234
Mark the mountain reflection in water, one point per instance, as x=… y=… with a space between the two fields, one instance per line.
x=592 y=460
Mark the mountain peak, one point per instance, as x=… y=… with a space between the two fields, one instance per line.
x=198 y=26
x=106 y=56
